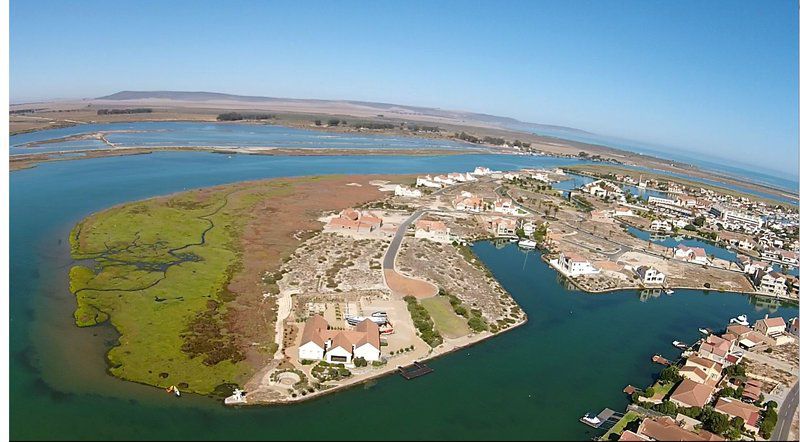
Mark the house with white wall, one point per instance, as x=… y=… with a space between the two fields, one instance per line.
x=573 y=264
x=318 y=342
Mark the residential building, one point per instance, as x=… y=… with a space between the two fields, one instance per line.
x=660 y=226
x=401 y=190
x=442 y=179
x=623 y=211
x=573 y=264
x=503 y=226
x=355 y=221
x=770 y=326
x=650 y=275
x=732 y=219
x=427 y=181
x=794 y=327
x=469 y=204
x=715 y=348
x=480 y=170
x=318 y=342
x=665 y=428
x=735 y=408
x=505 y=205
x=435 y=231
x=695 y=255
x=711 y=370
x=691 y=394
x=772 y=283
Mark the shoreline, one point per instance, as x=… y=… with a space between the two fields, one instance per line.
x=544 y=144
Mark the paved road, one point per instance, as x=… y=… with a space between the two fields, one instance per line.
x=394 y=246
x=785 y=416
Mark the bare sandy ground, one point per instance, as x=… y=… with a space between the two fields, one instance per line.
x=402 y=285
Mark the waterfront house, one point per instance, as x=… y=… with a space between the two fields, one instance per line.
x=664 y=428
x=660 y=226
x=691 y=394
x=715 y=348
x=503 y=226
x=318 y=342
x=442 y=179
x=735 y=408
x=771 y=327
x=788 y=257
x=772 y=283
x=480 y=170
x=573 y=264
x=435 y=231
x=401 y=190
x=623 y=211
x=650 y=275
x=710 y=371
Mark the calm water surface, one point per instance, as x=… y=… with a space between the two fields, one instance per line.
x=575 y=354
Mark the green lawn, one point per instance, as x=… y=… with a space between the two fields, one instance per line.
x=446 y=320
x=620 y=426
x=662 y=390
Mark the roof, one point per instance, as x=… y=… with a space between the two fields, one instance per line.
x=735 y=407
x=431 y=226
x=572 y=256
x=703 y=362
x=628 y=435
x=738 y=329
x=693 y=369
x=664 y=428
x=312 y=332
x=773 y=322
x=370 y=334
x=692 y=393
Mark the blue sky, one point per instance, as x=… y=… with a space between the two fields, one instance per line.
x=718 y=77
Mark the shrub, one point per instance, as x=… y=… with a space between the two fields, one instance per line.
x=360 y=362
x=649 y=392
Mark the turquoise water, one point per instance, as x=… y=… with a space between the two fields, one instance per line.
x=575 y=355
x=670 y=241
x=145 y=134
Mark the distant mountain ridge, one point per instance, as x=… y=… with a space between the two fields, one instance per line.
x=201 y=96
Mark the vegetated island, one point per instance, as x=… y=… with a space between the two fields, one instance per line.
x=212 y=289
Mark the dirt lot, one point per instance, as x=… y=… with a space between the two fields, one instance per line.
x=445 y=266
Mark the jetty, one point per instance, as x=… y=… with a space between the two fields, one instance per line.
x=658 y=359
x=414 y=370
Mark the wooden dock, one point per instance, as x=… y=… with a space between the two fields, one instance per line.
x=607 y=419
x=414 y=370
x=658 y=359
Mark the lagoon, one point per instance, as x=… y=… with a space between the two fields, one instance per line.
x=574 y=355
x=672 y=242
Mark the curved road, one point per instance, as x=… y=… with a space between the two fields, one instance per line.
x=394 y=246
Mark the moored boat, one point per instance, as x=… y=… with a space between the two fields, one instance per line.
x=680 y=345
x=741 y=320
x=527 y=244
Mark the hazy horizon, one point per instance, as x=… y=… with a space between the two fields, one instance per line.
x=715 y=78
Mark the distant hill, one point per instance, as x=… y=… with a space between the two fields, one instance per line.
x=395 y=110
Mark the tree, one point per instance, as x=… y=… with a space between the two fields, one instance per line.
x=318 y=122
x=360 y=362
x=670 y=374
x=699 y=221
x=649 y=392
x=717 y=423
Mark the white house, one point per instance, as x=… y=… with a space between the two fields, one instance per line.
x=660 y=226
x=528 y=228
x=443 y=180
x=772 y=283
x=435 y=231
x=339 y=346
x=427 y=181
x=480 y=170
x=573 y=264
x=650 y=275
x=770 y=326
x=623 y=211
x=505 y=205
x=457 y=176
x=401 y=190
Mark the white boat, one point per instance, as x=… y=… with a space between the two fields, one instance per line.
x=669 y=292
x=680 y=345
x=527 y=244
x=354 y=320
x=703 y=331
x=590 y=420
x=741 y=320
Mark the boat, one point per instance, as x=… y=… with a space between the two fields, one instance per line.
x=590 y=420
x=355 y=320
x=174 y=390
x=669 y=292
x=527 y=244
x=704 y=331
x=680 y=345
x=741 y=320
